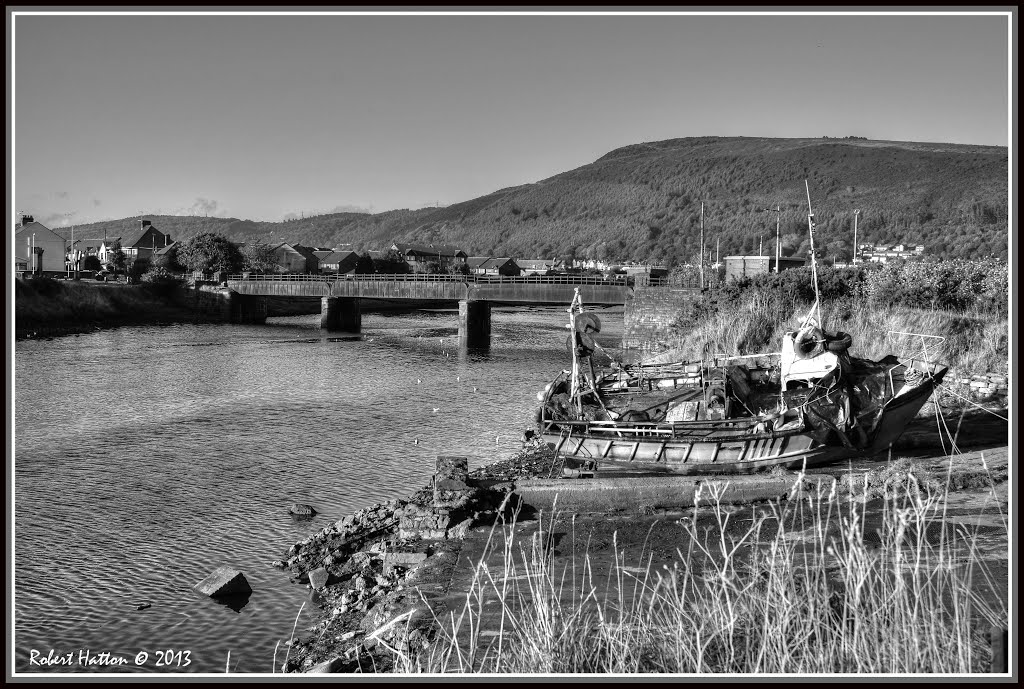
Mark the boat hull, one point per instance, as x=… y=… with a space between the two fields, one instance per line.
x=730 y=446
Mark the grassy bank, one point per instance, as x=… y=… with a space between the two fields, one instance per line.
x=962 y=306
x=973 y=343
x=45 y=308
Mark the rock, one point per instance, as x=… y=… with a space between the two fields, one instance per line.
x=279 y=564
x=301 y=510
x=328 y=666
x=360 y=583
x=318 y=578
x=143 y=606
x=224 y=581
x=459 y=530
x=350 y=635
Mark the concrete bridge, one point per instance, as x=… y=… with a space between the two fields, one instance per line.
x=340 y=295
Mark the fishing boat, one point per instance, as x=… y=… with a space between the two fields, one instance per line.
x=808 y=404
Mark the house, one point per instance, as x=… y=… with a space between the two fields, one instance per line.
x=536 y=266
x=164 y=251
x=321 y=253
x=741 y=266
x=419 y=256
x=488 y=265
x=141 y=244
x=340 y=262
x=106 y=250
x=42 y=250
x=294 y=258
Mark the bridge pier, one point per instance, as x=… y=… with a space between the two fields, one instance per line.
x=247 y=309
x=340 y=314
x=474 y=323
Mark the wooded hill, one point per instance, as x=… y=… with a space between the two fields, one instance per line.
x=642 y=202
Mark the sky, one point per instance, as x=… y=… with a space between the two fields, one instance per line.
x=268 y=117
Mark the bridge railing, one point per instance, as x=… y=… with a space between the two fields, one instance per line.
x=433 y=277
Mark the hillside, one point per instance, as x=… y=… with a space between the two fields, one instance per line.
x=643 y=202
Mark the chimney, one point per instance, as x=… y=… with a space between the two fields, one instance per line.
x=26 y=219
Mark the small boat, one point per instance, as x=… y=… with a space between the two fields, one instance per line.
x=809 y=404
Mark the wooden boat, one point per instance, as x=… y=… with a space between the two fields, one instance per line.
x=736 y=414
x=806 y=405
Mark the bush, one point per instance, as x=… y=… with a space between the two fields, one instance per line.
x=209 y=252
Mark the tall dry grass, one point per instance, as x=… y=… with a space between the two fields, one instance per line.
x=806 y=588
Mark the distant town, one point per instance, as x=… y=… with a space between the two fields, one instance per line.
x=43 y=251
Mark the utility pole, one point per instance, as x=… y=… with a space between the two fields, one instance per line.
x=778 y=243
x=855 y=214
x=702 y=245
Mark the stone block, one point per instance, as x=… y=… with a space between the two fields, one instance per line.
x=318 y=578
x=224 y=581
x=301 y=510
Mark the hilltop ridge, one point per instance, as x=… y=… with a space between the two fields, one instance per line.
x=642 y=202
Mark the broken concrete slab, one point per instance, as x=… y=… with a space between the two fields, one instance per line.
x=224 y=581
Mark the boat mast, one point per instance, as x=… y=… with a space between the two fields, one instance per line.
x=816 y=309
x=574 y=385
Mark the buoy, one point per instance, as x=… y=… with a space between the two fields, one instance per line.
x=808 y=343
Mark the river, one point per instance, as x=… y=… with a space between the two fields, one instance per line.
x=146 y=457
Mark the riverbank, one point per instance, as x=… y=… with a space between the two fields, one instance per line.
x=52 y=308
x=387 y=578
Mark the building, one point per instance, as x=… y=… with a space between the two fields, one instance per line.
x=489 y=265
x=420 y=256
x=746 y=266
x=106 y=250
x=41 y=250
x=340 y=262
x=294 y=258
x=537 y=266
x=141 y=244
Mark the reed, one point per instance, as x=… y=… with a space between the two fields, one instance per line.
x=806 y=588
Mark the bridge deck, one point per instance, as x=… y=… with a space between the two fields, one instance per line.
x=556 y=289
